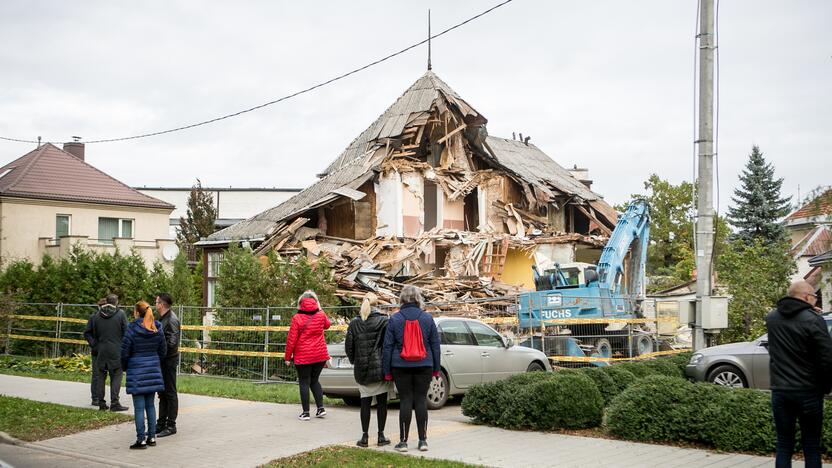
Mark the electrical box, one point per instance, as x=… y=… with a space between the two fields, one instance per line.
x=715 y=312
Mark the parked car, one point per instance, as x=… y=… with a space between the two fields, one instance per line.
x=472 y=353
x=736 y=364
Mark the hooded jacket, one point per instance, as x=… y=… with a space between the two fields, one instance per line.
x=800 y=348
x=142 y=351
x=305 y=343
x=394 y=337
x=364 y=343
x=104 y=334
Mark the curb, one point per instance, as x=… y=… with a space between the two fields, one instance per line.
x=9 y=440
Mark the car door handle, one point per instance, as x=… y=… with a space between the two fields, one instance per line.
x=448 y=353
x=485 y=354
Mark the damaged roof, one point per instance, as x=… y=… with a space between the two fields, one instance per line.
x=50 y=173
x=355 y=165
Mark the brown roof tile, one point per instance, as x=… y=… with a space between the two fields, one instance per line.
x=818 y=206
x=50 y=173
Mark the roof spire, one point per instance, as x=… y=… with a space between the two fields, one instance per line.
x=429 y=66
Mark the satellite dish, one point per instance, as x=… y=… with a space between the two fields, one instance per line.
x=169 y=252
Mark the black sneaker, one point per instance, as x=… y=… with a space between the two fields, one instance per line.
x=140 y=445
x=320 y=413
x=401 y=447
x=95 y=403
x=304 y=417
x=103 y=406
x=118 y=407
x=151 y=442
x=382 y=441
x=363 y=441
x=423 y=446
x=168 y=431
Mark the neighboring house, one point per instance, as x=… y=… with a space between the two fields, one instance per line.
x=51 y=199
x=426 y=192
x=821 y=276
x=810 y=231
x=233 y=204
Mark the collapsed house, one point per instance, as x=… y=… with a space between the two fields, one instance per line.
x=425 y=196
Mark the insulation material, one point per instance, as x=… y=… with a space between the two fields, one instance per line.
x=546 y=255
x=389 y=205
x=413 y=206
x=517 y=269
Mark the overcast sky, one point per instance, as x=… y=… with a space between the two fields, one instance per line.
x=606 y=85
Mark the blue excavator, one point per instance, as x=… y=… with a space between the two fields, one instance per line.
x=603 y=293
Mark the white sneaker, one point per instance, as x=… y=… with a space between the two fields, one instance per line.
x=304 y=417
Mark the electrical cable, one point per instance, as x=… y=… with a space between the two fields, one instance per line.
x=289 y=96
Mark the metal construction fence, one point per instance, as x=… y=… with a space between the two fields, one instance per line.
x=249 y=343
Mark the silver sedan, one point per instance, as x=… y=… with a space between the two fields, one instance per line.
x=736 y=364
x=472 y=353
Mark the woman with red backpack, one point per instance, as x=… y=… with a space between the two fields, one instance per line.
x=411 y=358
x=306 y=346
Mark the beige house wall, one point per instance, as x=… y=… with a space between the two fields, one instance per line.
x=27 y=229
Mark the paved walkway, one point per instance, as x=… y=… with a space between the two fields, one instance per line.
x=231 y=433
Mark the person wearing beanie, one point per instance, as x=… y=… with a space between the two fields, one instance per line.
x=306 y=347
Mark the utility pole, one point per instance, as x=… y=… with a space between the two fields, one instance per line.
x=705 y=188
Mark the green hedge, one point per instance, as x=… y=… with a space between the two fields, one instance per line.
x=661 y=408
x=603 y=382
x=537 y=400
x=621 y=377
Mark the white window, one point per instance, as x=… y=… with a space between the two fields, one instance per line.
x=108 y=228
x=214 y=261
x=62 y=225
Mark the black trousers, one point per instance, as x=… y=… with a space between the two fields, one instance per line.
x=94 y=381
x=412 y=384
x=308 y=375
x=115 y=374
x=381 y=412
x=168 y=399
x=788 y=408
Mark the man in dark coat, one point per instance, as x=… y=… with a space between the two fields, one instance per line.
x=168 y=399
x=801 y=372
x=105 y=333
x=93 y=354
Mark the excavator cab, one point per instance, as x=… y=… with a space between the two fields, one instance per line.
x=564 y=276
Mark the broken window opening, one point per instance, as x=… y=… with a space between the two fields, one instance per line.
x=430 y=197
x=472 y=211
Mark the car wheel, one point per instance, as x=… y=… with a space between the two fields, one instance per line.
x=439 y=391
x=727 y=376
x=604 y=347
x=352 y=400
x=535 y=367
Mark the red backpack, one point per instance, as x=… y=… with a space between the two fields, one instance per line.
x=413 y=346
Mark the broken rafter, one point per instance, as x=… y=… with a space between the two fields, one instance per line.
x=452 y=133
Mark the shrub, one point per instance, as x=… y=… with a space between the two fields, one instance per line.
x=664 y=366
x=529 y=378
x=744 y=422
x=826 y=441
x=485 y=403
x=621 y=377
x=563 y=400
x=637 y=368
x=603 y=381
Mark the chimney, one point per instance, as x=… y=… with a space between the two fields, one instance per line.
x=75 y=148
x=581 y=174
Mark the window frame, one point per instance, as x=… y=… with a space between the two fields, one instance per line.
x=474 y=335
x=442 y=336
x=120 y=222
x=68 y=224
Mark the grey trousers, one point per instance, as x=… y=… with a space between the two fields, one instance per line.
x=115 y=384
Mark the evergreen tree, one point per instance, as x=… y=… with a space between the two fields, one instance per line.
x=200 y=218
x=758 y=206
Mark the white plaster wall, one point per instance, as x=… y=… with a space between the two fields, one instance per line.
x=389 y=205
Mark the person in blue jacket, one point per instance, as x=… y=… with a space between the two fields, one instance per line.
x=142 y=350
x=412 y=377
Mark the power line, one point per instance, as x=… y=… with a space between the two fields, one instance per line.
x=287 y=97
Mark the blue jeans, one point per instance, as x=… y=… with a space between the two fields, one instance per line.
x=789 y=407
x=142 y=404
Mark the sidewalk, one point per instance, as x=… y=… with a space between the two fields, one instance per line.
x=235 y=433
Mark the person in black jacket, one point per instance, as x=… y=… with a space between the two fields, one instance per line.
x=168 y=399
x=93 y=354
x=104 y=334
x=800 y=349
x=365 y=337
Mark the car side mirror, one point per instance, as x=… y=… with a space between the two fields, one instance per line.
x=764 y=344
x=508 y=342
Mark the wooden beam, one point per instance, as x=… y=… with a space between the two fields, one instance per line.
x=452 y=133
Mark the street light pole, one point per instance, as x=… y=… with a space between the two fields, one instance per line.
x=705 y=189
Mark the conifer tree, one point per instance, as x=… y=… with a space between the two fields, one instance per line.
x=758 y=206
x=200 y=218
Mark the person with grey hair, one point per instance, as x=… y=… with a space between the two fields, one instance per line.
x=106 y=331
x=411 y=358
x=306 y=346
x=800 y=351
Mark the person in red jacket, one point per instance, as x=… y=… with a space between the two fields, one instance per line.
x=306 y=346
